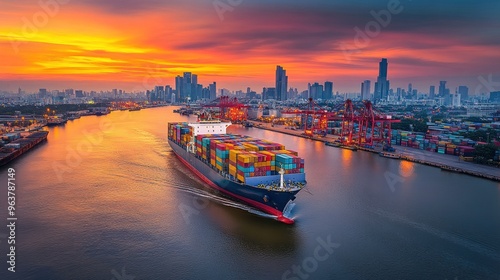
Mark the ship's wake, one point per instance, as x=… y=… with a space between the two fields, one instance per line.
x=211 y=197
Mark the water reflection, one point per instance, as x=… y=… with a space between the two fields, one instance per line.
x=406 y=168
x=264 y=235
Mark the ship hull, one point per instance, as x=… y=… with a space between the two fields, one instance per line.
x=17 y=153
x=271 y=202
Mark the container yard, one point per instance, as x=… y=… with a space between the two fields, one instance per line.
x=449 y=144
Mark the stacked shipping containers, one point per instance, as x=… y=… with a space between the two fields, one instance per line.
x=240 y=156
x=451 y=144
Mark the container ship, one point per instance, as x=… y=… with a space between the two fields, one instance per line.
x=257 y=172
x=19 y=145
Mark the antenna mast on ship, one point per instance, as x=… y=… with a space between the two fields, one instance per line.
x=281 y=176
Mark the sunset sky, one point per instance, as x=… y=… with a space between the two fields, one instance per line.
x=134 y=45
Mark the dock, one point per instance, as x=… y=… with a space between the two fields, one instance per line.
x=445 y=162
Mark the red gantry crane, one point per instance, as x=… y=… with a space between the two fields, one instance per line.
x=230 y=109
x=371 y=125
x=361 y=123
x=311 y=114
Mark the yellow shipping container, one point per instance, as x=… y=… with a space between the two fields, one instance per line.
x=233 y=154
x=240 y=177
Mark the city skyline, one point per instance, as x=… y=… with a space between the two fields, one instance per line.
x=136 y=46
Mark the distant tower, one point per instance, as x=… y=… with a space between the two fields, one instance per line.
x=382 y=84
x=432 y=91
x=365 y=90
x=464 y=92
x=281 y=83
x=328 y=91
x=213 y=90
x=442 y=88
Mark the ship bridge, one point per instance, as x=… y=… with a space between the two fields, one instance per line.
x=209 y=127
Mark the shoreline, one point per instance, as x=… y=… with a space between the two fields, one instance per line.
x=444 y=162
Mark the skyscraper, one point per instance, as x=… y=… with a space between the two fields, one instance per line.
x=168 y=93
x=316 y=91
x=42 y=92
x=179 y=81
x=328 y=91
x=432 y=92
x=382 y=84
x=464 y=92
x=187 y=88
x=442 y=89
x=213 y=91
x=281 y=83
x=268 y=93
x=365 y=90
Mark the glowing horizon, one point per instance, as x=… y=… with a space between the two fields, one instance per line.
x=92 y=45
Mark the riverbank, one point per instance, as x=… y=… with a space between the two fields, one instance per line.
x=445 y=162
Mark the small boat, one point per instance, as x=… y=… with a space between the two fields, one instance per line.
x=247 y=124
x=349 y=147
x=56 y=121
x=389 y=155
x=333 y=144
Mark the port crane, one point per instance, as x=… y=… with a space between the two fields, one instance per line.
x=361 y=123
x=230 y=109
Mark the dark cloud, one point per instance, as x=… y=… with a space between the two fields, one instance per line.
x=118 y=7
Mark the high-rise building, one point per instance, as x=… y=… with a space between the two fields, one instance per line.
x=365 y=90
x=269 y=93
x=432 y=92
x=68 y=92
x=382 y=85
x=158 y=94
x=205 y=93
x=464 y=92
x=187 y=87
x=213 y=91
x=455 y=100
x=328 y=91
x=399 y=93
x=79 y=93
x=281 y=83
x=316 y=91
x=442 y=89
x=42 y=92
x=168 y=93
x=179 y=81
x=495 y=97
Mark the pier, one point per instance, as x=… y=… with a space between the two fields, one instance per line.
x=445 y=162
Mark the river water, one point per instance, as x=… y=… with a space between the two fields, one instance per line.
x=105 y=198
